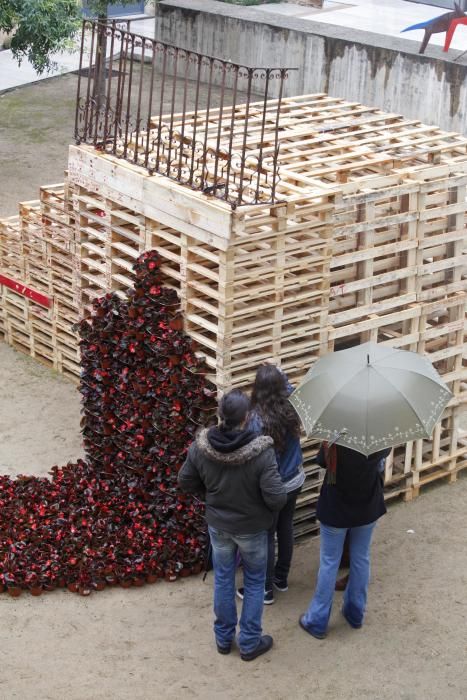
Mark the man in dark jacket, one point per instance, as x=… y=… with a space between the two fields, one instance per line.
x=237 y=471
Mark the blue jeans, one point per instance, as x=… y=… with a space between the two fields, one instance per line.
x=317 y=616
x=254 y=552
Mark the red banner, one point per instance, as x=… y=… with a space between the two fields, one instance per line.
x=25 y=291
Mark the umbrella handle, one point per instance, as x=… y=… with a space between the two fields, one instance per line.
x=337 y=436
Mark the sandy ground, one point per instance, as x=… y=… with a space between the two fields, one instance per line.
x=39 y=416
x=156 y=641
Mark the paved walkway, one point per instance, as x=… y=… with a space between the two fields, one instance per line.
x=13 y=75
x=384 y=17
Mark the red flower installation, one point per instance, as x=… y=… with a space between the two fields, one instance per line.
x=117 y=518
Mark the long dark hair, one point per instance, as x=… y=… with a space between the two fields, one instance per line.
x=269 y=400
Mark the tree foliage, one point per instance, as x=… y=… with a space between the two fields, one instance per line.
x=39 y=28
x=42 y=27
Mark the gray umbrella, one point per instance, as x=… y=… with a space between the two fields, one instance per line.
x=373 y=395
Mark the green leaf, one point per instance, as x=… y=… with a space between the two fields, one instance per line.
x=43 y=27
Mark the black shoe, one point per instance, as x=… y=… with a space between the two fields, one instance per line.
x=341 y=583
x=224 y=650
x=265 y=643
x=268 y=596
x=280 y=584
x=352 y=624
x=316 y=635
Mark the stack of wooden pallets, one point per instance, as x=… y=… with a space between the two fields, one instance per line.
x=366 y=242
x=265 y=295
x=37 y=268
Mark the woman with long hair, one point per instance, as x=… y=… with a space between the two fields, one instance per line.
x=271 y=413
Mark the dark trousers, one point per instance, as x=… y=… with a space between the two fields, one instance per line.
x=283 y=528
x=345 y=558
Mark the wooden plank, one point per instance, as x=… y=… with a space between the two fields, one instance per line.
x=156 y=197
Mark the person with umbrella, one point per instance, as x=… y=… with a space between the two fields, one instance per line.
x=350 y=502
x=342 y=582
x=361 y=402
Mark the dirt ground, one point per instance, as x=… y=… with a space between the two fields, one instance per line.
x=156 y=641
x=34 y=146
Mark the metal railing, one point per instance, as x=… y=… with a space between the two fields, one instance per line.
x=207 y=123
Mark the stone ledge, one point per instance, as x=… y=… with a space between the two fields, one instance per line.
x=310 y=27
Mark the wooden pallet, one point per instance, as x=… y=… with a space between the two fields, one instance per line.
x=247 y=304
x=12 y=260
x=441 y=457
x=324 y=142
x=167 y=242
x=28 y=325
x=436 y=329
x=39 y=326
x=127 y=242
x=92 y=278
x=44 y=333
x=57 y=211
x=384 y=197
x=442 y=334
x=16 y=320
x=366 y=242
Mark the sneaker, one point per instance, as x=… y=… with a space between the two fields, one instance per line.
x=280 y=584
x=265 y=643
x=268 y=596
x=224 y=650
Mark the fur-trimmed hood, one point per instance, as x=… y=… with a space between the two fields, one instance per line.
x=236 y=471
x=254 y=448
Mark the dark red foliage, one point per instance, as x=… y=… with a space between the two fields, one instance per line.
x=118 y=517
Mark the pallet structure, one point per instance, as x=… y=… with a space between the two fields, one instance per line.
x=366 y=241
x=37 y=267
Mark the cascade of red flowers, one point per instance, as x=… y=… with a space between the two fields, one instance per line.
x=117 y=517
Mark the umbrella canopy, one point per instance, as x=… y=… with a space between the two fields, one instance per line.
x=373 y=395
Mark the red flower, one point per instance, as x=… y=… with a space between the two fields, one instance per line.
x=74 y=530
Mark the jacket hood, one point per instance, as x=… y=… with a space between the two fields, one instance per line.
x=242 y=454
x=226 y=441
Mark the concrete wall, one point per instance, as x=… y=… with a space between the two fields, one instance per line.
x=378 y=71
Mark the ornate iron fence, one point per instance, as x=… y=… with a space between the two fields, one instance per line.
x=207 y=123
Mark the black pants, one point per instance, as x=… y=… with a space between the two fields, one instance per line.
x=283 y=528
x=345 y=558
